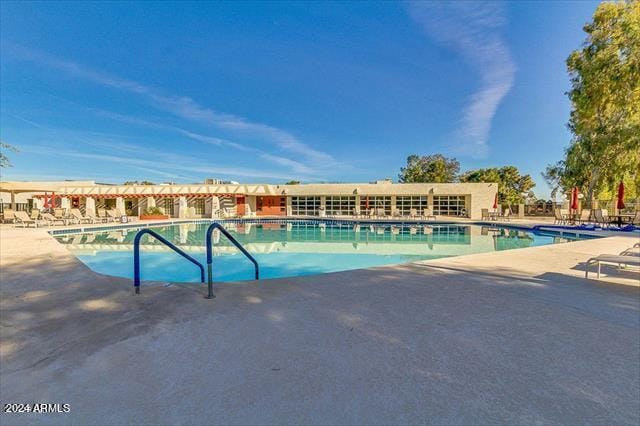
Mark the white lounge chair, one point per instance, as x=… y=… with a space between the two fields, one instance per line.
x=428 y=214
x=75 y=213
x=8 y=216
x=611 y=259
x=23 y=219
x=52 y=220
x=585 y=216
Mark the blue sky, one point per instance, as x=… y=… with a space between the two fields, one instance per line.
x=276 y=91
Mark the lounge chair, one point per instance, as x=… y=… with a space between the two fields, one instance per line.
x=427 y=213
x=585 y=216
x=60 y=213
x=23 y=219
x=558 y=219
x=75 y=213
x=52 y=220
x=114 y=214
x=102 y=214
x=611 y=259
x=601 y=217
x=92 y=215
x=9 y=216
x=35 y=214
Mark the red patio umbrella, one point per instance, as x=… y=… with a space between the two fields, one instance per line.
x=495 y=202
x=620 y=205
x=574 y=198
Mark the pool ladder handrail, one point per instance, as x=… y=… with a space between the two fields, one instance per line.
x=136 y=255
x=216 y=225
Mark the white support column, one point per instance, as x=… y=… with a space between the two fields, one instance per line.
x=357 y=206
x=64 y=203
x=182 y=207
x=323 y=208
x=90 y=205
x=120 y=206
x=393 y=204
x=38 y=203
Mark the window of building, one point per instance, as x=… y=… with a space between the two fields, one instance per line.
x=305 y=206
x=449 y=205
x=166 y=204
x=368 y=202
x=340 y=205
x=404 y=204
x=198 y=205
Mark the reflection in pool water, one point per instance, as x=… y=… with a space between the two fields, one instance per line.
x=292 y=249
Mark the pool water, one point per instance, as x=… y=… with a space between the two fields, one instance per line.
x=291 y=249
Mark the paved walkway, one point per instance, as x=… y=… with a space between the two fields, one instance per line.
x=515 y=337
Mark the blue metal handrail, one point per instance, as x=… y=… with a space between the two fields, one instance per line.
x=235 y=242
x=136 y=256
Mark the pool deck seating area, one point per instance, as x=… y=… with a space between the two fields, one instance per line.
x=515 y=337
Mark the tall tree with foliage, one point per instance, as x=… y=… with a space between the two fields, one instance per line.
x=605 y=98
x=511 y=184
x=4 y=159
x=434 y=168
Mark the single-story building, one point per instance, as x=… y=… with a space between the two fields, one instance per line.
x=250 y=200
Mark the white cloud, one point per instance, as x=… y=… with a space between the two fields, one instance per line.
x=180 y=106
x=162 y=163
x=473 y=30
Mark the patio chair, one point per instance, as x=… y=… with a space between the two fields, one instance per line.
x=9 y=216
x=372 y=213
x=23 y=219
x=413 y=213
x=485 y=214
x=395 y=213
x=75 y=213
x=585 y=216
x=506 y=214
x=601 y=217
x=558 y=218
x=428 y=214
x=35 y=214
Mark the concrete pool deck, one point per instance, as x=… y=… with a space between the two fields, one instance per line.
x=515 y=337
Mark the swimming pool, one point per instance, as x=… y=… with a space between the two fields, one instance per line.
x=294 y=248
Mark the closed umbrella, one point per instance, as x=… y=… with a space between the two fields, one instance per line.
x=574 y=198
x=495 y=201
x=620 y=204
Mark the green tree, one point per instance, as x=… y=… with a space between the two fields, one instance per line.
x=511 y=184
x=434 y=168
x=605 y=99
x=4 y=159
x=293 y=182
x=135 y=182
